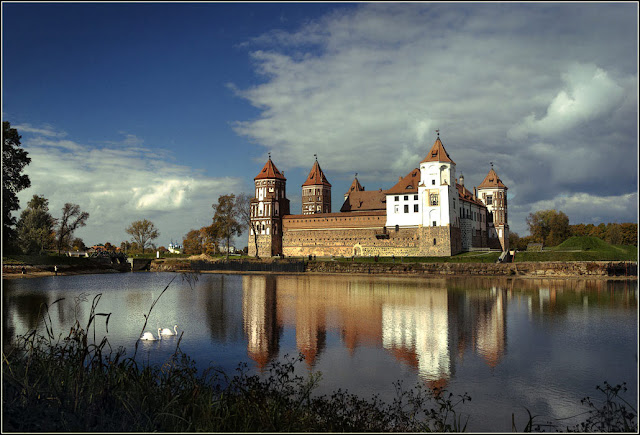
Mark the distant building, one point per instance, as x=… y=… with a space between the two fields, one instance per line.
x=428 y=212
x=174 y=248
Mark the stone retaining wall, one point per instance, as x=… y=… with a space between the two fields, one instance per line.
x=524 y=269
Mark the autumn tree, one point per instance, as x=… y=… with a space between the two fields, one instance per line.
x=192 y=243
x=243 y=206
x=549 y=227
x=36 y=226
x=143 y=232
x=226 y=218
x=72 y=219
x=14 y=159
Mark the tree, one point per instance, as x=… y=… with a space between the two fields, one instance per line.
x=549 y=227
x=143 y=232
x=36 y=226
x=78 y=244
x=243 y=205
x=14 y=159
x=192 y=243
x=72 y=219
x=226 y=218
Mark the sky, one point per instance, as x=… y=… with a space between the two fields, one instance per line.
x=153 y=110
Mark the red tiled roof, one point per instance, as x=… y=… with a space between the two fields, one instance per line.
x=438 y=153
x=316 y=176
x=408 y=184
x=492 y=180
x=466 y=195
x=363 y=200
x=269 y=171
x=355 y=186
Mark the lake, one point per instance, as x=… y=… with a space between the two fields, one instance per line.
x=511 y=344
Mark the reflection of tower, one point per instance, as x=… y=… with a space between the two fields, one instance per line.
x=422 y=329
x=310 y=325
x=491 y=332
x=261 y=326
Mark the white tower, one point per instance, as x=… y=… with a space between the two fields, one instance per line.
x=493 y=193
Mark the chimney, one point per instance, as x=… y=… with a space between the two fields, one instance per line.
x=462 y=180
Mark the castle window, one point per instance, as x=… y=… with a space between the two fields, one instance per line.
x=395 y=209
x=433 y=199
x=415 y=197
x=434 y=242
x=415 y=208
x=397 y=228
x=396 y=198
x=406 y=198
x=489 y=199
x=406 y=208
x=433 y=182
x=434 y=223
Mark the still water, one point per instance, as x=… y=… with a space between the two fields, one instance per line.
x=510 y=344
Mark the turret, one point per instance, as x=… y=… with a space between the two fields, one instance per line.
x=267 y=208
x=493 y=193
x=316 y=192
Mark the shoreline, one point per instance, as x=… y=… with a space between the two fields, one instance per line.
x=607 y=270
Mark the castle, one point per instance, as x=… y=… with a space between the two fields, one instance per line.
x=428 y=212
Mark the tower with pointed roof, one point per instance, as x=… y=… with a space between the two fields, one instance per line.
x=267 y=208
x=316 y=192
x=493 y=193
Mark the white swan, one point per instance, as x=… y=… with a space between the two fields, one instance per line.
x=167 y=331
x=149 y=336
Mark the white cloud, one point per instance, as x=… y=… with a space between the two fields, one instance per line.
x=543 y=91
x=589 y=94
x=118 y=184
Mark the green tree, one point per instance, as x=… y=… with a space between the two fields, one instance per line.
x=78 y=244
x=548 y=226
x=226 y=218
x=72 y=219
x=143 y=232
x=14 y=159
x=36 y=226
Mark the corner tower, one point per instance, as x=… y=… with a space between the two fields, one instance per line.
x=316 y=192
x=437 y=187
x=493 y=193
x=267 y=208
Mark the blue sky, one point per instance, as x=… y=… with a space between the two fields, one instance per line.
x=153 y=110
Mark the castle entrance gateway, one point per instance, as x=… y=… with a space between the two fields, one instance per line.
x=357 y=250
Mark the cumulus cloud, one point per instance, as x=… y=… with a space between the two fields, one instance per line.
x=118 y=183
x=589 y=94
x=544 y=91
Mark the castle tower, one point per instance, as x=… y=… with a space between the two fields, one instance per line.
x=493 y=193
x=316 y=192
x=355 y=187
x=267 y=209
x=437 y=187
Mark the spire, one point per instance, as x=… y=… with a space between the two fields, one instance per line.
x=437 y=152
x=355 y=186
x=492 y=180
x=269 y=171
x=316 y=176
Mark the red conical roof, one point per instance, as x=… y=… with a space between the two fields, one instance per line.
x=438 y=153
x=492 y=180
x=269 y=171
x=316 y=176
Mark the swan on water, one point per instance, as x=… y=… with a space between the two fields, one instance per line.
x=150 y=336
x=167 y=331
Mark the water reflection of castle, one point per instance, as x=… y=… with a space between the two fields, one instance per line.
x=421 y=323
